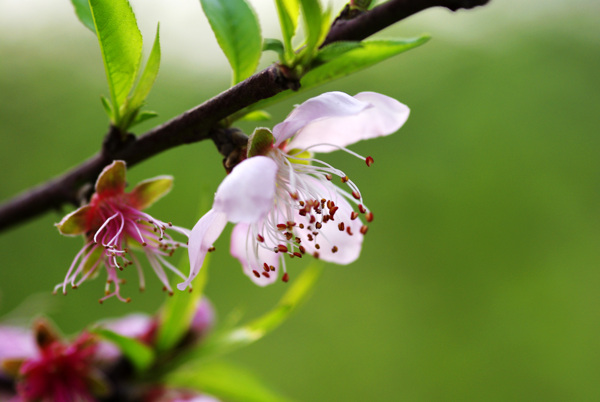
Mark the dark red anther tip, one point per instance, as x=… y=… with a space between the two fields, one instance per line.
x=285 y=277
x=369 y=161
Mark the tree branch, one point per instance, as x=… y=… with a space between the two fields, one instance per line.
x=197 y=124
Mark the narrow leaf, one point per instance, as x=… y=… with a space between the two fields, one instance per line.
x=140 y=355
x=312 y=17
x=84 y=13
x=179 y=309
x=238 y=33
x=224 y=381
x=367 y=54
x=234 y=338
x=148 y=76
x=288 y=11
x=143 y=116
x=121 y=46
x=107 y=107
x=334 y=51
x=274 y=45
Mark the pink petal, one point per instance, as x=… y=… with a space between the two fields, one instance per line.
x=246 y=195
x=16 y=343
x=203 y=235
x=327 y=105
x=380 y=116
x=242 y=248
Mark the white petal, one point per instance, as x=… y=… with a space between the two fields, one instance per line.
x=246 y=195
x=349 y=246
x=203 y=235
x=327 y=105
x=243 y=247
x=384 y=116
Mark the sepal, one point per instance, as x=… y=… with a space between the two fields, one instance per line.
x=112 y=178
x=147 y=192
x=260 y=142
x=74 y=223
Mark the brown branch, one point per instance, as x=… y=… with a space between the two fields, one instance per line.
x=198 y=123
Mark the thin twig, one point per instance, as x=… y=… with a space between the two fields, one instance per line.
x=197 y=124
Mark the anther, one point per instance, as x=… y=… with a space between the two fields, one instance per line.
x=297 y=254
x=369 y=216
x=294 y=196
x=318 y=246
x=266 y=267
x=333 y=210
x=356 y=195
x=281 y=226
x=301 y=226
x=345 y=179
x=316 y=255
x=260 y=238
x=302 y=249
x=285 y=277
x=363 y=229
x=266 y=275
x=341 y=226
x=334 y=249
x=353 y=215
x=211 y=249
x=369 y=161
x=282 y=248
x=349 y=230
x=328 y=177
x=361 y=208
x=318 y=225
x=313 y=219
x=272 y=268
x=255 y=272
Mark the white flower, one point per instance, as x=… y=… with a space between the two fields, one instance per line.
x=283 y=201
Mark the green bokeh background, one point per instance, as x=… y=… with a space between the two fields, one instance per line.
x=480 y=276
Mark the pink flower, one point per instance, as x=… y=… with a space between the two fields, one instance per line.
x=52 y=370
x=283 y=201
x=113 y=224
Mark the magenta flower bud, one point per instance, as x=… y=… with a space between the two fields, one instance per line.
x=203 y=319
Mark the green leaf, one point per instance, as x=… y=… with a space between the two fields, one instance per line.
x=235 y=338
x=148 y=77
x=121 y=46
x=274 y=45
x=84 y=13
x=288 y=11
x=107 y=106
x=313 y=18
x=142 y=117
x=238 y=33
x=140 y=355
x=257 y=115
x=367 y=54
x=334 y=51
x=178 y=310
x=223 y=380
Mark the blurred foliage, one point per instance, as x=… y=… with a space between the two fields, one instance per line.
x=480 y=275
